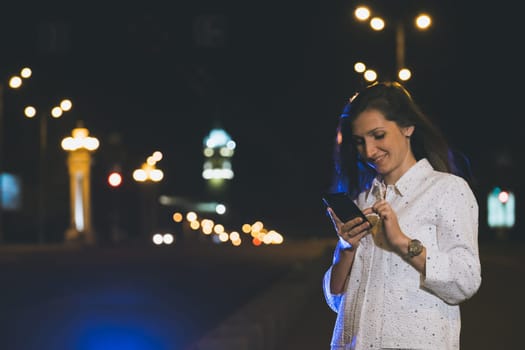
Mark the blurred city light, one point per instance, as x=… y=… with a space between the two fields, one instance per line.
x=79 y=147
x=503 y=197
x=192 y=204
x=148 y=171
x=255 y=232
x=377 y=23
x=218 y=149
x=163 y=238
x=80 y=139
x=359 y=67
x=501 y=209
x=16 y=81
x=370 y=75
x=13 y=83
x=149 y=175
x=114 y=179
x=404 y=74
x=55 y=112
x=422 y=21
x=11 y=191
x=177 y=217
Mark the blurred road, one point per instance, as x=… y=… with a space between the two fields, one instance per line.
x=136 y=298
x=166 y=298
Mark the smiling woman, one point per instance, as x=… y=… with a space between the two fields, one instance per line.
x=424 y=255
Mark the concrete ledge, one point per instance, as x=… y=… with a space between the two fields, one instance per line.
x=265 y=320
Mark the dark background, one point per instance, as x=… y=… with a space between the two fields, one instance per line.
x=273 y=74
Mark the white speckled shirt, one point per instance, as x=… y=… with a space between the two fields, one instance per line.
x=388 y=304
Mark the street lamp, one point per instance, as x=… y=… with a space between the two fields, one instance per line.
x=422 y=22
x=369 y=75
x=79 y=147
x=148 y=171
x=14 y=82
x=56 y=112
x=149 y=175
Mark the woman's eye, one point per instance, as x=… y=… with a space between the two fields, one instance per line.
x=379 y=136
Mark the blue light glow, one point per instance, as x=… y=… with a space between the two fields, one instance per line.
x=500 y=215
x=109 y=319
x=114 y=336
x=11 y=190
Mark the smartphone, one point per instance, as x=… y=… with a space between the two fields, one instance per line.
x=343 y=206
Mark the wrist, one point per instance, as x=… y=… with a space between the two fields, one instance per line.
x=412 y=248
x=345 y=246
x=401 y=246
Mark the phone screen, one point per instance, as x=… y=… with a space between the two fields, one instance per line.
x=343 y=206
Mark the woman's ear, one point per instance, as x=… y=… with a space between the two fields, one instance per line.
x=408 y=131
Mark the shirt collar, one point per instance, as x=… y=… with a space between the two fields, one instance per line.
x=413 y=176
x=408 y=180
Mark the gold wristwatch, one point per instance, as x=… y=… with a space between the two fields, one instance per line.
x=415 y=247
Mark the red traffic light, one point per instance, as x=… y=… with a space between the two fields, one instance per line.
x=503 y=196
x=114 y=179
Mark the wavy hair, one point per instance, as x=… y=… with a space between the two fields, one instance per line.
x=352 y=173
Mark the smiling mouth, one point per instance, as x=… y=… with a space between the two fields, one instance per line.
x=379 y=159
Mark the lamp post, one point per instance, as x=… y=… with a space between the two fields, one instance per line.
x=422 y=21
x=56 y=112
x=149 y=175
x=15 y=82
x=79 y=147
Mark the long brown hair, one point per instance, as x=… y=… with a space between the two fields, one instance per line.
x=353 y=174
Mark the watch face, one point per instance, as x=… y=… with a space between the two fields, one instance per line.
x=415 y=248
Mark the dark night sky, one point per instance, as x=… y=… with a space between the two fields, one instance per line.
x=276 y=81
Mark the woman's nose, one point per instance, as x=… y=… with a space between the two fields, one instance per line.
x=369 y=149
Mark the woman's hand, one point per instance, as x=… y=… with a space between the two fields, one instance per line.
x=350 y=232
x=393 y=234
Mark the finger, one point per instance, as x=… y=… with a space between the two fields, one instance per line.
x=354 y=223
x=379 y=205
x=368 y=211
x=334 y=217
x=357 y=237
x=358 y=229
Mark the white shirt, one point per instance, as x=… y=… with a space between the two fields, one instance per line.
x=388 y=304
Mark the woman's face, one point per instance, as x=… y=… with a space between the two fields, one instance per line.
x=383 y=144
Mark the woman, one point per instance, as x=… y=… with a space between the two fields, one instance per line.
x=398 y=285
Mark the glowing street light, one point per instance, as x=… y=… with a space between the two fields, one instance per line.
x=55 y=113
x=148 y=171
x=369 y=75
x=422 y=22
x=14 y=82
x=79 y=147
x=149 y=174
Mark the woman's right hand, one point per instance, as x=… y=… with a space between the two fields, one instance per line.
x=350 y=232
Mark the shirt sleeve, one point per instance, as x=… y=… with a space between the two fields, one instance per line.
x=333 y=300
x=453 y=270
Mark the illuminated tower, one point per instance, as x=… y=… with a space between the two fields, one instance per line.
x=79 y=146
x=218 y=151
